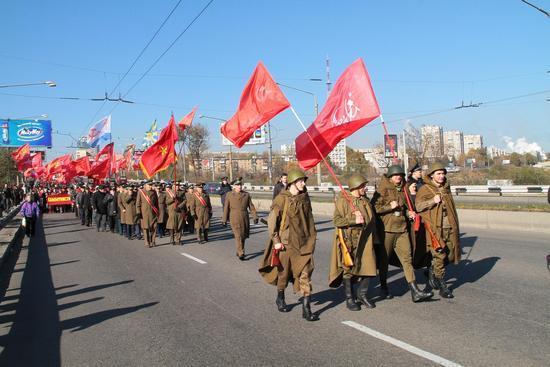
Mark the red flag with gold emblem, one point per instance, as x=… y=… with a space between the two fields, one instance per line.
x=21 y=153
x=350 y=106
x=58 y=165
x=161 y=154
x=261 y=100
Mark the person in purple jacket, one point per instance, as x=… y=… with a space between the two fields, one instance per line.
x=30 y=211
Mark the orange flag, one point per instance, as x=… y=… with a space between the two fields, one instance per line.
x=187 y=120
x=21 y=153
x=161 y=154
x=261 y=100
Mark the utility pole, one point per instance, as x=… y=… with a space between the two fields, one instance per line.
x=270 y=159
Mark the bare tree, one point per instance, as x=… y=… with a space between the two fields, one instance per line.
x=195 y=139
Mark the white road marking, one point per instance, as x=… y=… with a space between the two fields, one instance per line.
x=398 y=343
x=194 y=258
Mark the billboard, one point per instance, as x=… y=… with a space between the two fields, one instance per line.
x=390 y=140
x=259 y=137
x=36 y=133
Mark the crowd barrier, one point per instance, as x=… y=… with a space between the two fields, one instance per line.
x=456 y=190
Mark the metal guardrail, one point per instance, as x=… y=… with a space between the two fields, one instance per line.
x=457 y=190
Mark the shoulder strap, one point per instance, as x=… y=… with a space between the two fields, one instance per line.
x=283 y=218
x=146 y=197
x=203 y=202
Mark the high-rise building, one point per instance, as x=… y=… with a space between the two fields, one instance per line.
x=338 y=155
x=453 y=143
x=472 y=142
x=493 y=152
x=432 y=141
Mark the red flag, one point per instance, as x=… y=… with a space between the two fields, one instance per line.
x=81 y=166
x=161 y=154
x=100 y=169
x=261 y=100
x=108 y=150
x=30 y=173
x=21 y=153
x=26 y=162
x=187 y=120
x=350 y=106
x=37 y=160
x=120 y=164
x=58 y=165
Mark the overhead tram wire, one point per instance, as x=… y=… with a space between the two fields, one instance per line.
x=136 y=60
x=164 y=53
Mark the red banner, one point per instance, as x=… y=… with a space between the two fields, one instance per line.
x=59 y=199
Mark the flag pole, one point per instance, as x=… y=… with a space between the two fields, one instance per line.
x=344 y=192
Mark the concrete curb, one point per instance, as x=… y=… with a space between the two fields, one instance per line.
x=10 y=233
x=472 y=218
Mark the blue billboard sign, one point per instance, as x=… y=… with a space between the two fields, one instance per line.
x=36 y=133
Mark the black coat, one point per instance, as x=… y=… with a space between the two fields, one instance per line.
x=98 y=203
x=85 y=201
x=279 y=186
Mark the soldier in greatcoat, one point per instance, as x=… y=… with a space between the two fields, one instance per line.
x=353 y=258
x=236 y=209
x=288 y=256
x=189 y=224
x=130 y=214
x=201 y=210
x=147 y=207
x=177 y=212
x=392 y=207
x=435 y=204
x=163 y=215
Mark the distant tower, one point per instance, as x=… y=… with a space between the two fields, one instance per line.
x=328 y=76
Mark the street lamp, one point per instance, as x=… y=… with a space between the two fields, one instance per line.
x=315 y=108
x=49 y=83
x=230 y=146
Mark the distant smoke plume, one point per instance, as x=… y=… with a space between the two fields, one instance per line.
x=522 y=146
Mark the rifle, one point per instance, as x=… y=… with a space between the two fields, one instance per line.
x=435 y=241
x=346 y=256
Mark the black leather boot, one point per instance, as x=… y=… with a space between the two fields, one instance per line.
x=384 y=290
x=362 y=293
x=444 y=292
x=431 y=278
x=199 y=236
x=350 y=300
x=280 y=301
x=306 y=309
x=205 y=233
x=417 y=295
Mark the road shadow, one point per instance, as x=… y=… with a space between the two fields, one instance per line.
x=35 y=328
x=72 y=230
x=253 y=255
x=62 y=243
x=329 y=298
x=469 y=271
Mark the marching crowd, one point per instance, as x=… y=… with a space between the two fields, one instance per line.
x=410 y=222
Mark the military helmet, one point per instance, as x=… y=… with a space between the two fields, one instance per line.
x=395 y=169
x=437 y=166
x=356 y=181
x=295 y=174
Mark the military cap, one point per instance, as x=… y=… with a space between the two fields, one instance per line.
x=356 y=181
x=394 y=170
x=437 y=166
x=415 y=168
x=224 y=178
x=295 y=174
x=238 y=182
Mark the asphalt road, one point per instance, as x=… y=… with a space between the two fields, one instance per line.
x=76 y=297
